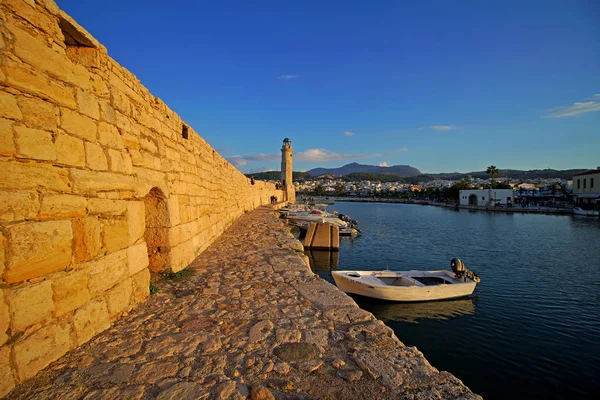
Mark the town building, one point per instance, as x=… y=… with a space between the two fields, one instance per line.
x=486 y=197
x=586 y=188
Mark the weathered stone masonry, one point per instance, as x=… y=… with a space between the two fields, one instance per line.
x=100 y=182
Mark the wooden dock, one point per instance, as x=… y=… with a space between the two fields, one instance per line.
x=321 y=236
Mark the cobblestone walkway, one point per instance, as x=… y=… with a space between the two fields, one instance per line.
x=253 y=321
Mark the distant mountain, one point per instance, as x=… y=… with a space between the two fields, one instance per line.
x=397 y=170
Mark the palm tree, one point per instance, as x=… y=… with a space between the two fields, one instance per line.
x=492 y=171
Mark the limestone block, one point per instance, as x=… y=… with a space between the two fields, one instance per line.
x=109 y=136
x=36 y=351
x=30 y=175
x=35 y=52
x=78 y=125
x=124 y=123
x=107 y=207
x=38 y=113
x=119 y=161
x=98 y=86
x=148 y=145
x=70 y=150
x=29 y=305
x=137 y=258
x=95 y=157
x=34 y=143
x=118 y=299
x=93 y=181
x=36 y=83
x=141 y=285
x=70 y=291
x=173 y=210
x=87 y=104
x=62 y=206
x=38 y=19
x=120 y=101
x=88 y=238
x=78 y=32
x=7 y=382
x=50 y=6
x=37 y=248
x=8 y=106
x=2 y=254
x=115 y=234
x=16 y=206
x=107 y=272
x=90 y=320
x=4 y=318
x=136 y=220
x=107 y=113
x=7 y=142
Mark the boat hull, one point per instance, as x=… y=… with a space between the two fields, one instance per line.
x=370 y=288
x=587 y=213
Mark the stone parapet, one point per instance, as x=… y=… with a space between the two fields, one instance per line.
x=99 y=181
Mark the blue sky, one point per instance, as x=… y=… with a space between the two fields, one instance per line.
x=440 y=85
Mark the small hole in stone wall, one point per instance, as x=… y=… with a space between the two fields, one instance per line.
x=184 y=132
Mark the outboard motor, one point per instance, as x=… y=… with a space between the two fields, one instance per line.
x=461 y=272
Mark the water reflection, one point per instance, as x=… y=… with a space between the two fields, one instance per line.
x=412 y=312
x=323 y=261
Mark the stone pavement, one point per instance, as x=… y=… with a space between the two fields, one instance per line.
x=253 y=321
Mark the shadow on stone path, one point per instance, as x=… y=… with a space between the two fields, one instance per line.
x=253 y=321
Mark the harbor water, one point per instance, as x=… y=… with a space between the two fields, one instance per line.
x=532 y=327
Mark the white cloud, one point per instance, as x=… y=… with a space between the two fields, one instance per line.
x=441 y=128
x=288 y=77
x=310 y=155
x=383 y=164
x=261 y=169
x=238 y=161
x=403 y=149
x=349 y=133
x=313 y=155
x=576 y=108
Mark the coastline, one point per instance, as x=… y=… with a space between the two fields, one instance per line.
x=511 y=210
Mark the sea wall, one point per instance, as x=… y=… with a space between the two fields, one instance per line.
x=100 y=183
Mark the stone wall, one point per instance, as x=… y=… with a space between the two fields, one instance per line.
x=100 y=182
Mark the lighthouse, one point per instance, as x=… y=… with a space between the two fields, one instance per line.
x=286 y=171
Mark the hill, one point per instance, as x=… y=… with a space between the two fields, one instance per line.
x=397 y=170
x=512 y=174
x=276 y=176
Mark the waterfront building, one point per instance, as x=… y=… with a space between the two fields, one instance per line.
x=586 y=188
x=486 y=197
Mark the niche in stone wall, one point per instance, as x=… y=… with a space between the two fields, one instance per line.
x=157 y=230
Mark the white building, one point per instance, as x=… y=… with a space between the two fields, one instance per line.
x=586 y=187
x=486 y=197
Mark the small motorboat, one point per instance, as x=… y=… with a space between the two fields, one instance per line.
x=409 y=285
x=344 y=230
x=587 y=213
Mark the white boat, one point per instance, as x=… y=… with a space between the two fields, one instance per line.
x=318 y=216
x=343 y=230
x=587 y=213
x=409 y=285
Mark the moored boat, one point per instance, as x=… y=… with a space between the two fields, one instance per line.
x=407 y=286
x=587 y=213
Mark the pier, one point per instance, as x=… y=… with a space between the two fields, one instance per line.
x=252 y=320
x=320 y=236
